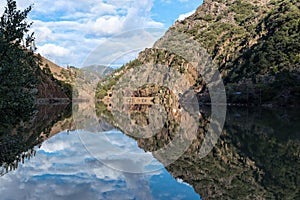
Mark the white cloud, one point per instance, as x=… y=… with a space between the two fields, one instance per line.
x=76 y=27
x=43 y=34
x=123 y=47
x=183 y=16
x=54 y=52
x=106 y=25
x=63 y=169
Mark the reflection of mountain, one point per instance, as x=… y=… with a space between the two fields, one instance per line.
x=17 y=142
x=256 y=157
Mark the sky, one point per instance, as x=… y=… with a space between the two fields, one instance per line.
x=68 y=31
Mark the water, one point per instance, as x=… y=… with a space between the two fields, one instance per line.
x=63 y=169
x=256 y=157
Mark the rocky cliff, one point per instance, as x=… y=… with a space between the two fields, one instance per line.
x=54 y=81
x=255 y=45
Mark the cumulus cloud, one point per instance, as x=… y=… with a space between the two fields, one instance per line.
x=123 y=47
x=80 y=26
x=106 y=25
x=55 y=52
x=183 y=16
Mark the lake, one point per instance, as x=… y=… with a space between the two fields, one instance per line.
x=50 y=156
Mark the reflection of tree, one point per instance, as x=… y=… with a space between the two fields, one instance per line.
x=271 y=140
x=17 y=142
x=250 y=160
x=257 y=156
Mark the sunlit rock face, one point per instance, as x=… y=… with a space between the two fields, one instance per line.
x=238 y=37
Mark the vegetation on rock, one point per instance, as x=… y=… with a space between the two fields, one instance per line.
x=254 y=44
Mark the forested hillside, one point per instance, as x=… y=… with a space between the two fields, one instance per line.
x=254 y=44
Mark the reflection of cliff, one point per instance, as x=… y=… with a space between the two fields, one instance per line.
x=137 y=118
x=254 y=159
x=17 y=143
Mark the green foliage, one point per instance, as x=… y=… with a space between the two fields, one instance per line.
x=243 y=10
x=18 y=65
x=102 y=112
x=66 y=88
x=278 y=50
x=269 y=145
x=13 y=25
x=134 y=63
x=100 y=93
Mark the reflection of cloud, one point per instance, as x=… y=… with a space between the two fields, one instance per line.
x=118 y=151
x=55 y=146
x=67 y=171
x=182 y=182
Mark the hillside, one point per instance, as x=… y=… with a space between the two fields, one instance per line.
x=60 y=73
x=70 y=78
x=54 y=81
x=252 y=43
x=255 y=45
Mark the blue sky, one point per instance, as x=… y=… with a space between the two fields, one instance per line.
x=68 y=31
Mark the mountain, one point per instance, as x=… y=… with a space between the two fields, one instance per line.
x=64 y=80
x=247 y=38
x=255 y=45
x=55 y=81
x=58 y=72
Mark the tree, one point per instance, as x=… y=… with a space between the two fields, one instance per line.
x=18 y=65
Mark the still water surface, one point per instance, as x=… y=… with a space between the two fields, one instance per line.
x=63 y=169
x=257 y=157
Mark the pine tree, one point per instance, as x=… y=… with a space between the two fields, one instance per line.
x=18 y=65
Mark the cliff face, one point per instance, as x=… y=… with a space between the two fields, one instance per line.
x=230 y=30
x=254 y=45
x=54 y=81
